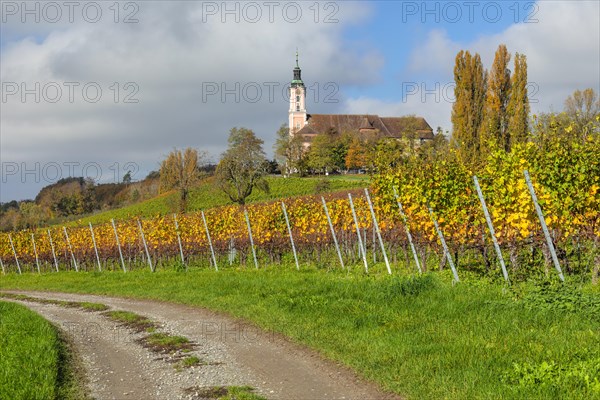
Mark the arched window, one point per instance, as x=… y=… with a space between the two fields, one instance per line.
x=297 y=106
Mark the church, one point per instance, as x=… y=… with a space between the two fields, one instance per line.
x=310 y=125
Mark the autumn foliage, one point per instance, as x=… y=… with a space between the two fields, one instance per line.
x=566 y=177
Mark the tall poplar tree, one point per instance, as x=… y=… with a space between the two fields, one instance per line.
x=468 y=108
x=495 y=125
x=518 y=105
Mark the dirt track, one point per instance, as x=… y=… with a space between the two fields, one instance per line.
x=233 y=353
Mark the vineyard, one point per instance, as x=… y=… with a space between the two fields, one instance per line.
x=343 y=231
x=415 y=335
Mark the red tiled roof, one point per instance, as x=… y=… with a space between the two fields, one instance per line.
x=387 y=126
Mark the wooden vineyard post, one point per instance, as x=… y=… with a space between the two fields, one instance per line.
x=95 y=247
x=250 y=236
x=71 y=249
x=37 y=260
x=443 y=241
x=179 y=241
x=488 y=219
x=362 y=250
x=378 y=231
x=337 y=247
x=212 y=250
x=405 y=221
x=287 y=221
x=2 y=265
x=540 y=214
x=145 y=245
x=14 y=252
x=112 y=221
x=53 y=251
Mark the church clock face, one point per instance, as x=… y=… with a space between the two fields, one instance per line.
x=298 y=91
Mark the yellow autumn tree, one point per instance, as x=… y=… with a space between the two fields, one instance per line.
x=495 y=122
x=180 y=171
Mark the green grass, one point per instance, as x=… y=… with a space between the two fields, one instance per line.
x=241 y=393
x=420 y=337
x=208 y=195
x=132 y=320
x=164 y=343
x=87 y=306
x=224 y=393
x=189 y=361
x=84 y=305
x=35 y=362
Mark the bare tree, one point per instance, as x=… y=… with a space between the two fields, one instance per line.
x=583 y=106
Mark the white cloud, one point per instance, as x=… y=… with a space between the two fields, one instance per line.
x=434 y=55
x=174 y=51
x=176 y=48
x=562 y=49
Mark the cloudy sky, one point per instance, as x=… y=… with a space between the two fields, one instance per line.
x=98 y=88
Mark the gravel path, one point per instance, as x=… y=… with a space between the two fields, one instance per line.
x=233 y=354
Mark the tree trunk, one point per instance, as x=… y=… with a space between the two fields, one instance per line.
x=423 y=254
x=456 y=252
x=547 y=259
x=443 y=260
x=513 y=255
x=484 y=252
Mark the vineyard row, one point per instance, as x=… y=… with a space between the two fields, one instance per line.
x=311 y=225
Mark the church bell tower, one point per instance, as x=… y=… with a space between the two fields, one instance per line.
x=297 y=112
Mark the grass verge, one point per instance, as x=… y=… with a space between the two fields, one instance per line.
x=35 y=358
x=420 y=337
x=84 y=305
